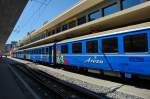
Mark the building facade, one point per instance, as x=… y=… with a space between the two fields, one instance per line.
x=89 y=16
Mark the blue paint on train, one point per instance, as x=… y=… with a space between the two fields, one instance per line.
x=125 y=56
x=129 y=64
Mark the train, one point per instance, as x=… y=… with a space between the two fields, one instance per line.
x=125 y=52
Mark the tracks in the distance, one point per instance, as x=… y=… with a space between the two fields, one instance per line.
x=63 y=89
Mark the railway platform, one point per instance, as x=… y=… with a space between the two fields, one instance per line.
x=109 y=88
x=9 y=88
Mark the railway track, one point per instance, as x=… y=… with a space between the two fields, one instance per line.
x=63 y=89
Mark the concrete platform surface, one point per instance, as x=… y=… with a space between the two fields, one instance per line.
x=8 y=86
x=132 y=90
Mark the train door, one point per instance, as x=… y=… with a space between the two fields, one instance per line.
x=109 y=50
x=53 y=56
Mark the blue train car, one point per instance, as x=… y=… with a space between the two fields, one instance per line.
x=42 y=53
x=20 y=54
x=126 y=52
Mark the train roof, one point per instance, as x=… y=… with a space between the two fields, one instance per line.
x=110 y=32
x=45 y=45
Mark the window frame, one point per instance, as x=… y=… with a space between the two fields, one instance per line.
x=72 y=24
x=110 y=37
x=123 y=8
x=89 y=19
x=81 y=47
x=97 y=46
x=114 y=3
x=47 y=50
x=67 y=48
x=65 y=27
x=79 y=20
x=136 y=33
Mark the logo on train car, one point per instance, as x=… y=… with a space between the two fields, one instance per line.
x=60 y=58
x=94 y=60
x=136 y=59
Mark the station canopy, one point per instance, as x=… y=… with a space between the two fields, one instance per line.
x=10 y=11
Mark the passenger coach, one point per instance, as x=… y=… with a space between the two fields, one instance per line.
x=126 y=52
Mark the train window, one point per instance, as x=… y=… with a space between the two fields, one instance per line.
x=92 y=46
x=34 y=51
x=64 y=27
x=77 y=48
x=94 y=15
x=72 y=24
x=136 y=43
x=64 y=49
x=82 y=20
x=47 y=50
x=43 y=51
x=50 y=50
x=129 y=3
x=40 y=51
x=110 y=45
x=111 y=9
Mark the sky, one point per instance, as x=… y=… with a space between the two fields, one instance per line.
x=36 y=13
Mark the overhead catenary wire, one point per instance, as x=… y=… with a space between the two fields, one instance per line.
x=39 y=13
x=30 y=19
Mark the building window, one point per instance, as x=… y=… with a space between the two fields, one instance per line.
x=136 y=43
x=64 y=27
x=77 y=48
x=53 y=32
x=94 y=15
x=72 y=24
x=111 y=9
x=92 y=46
x=110 y=45
x=82 y=20
x=64 y=49
x=49 y=33
x=129 y=3
x=58 y=29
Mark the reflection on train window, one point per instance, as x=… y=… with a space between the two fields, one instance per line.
x=136 y=43
x=77 y=48
x=94 y=15
x=130 y=3
x=92 y=46
x=64 y=49
x=110 y=45
x=82 y=20
x=111 y=9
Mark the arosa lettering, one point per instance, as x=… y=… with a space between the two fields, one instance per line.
x=136 y=59
x=94 y=60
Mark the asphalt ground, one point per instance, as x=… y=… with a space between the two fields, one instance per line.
x=8 y=86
